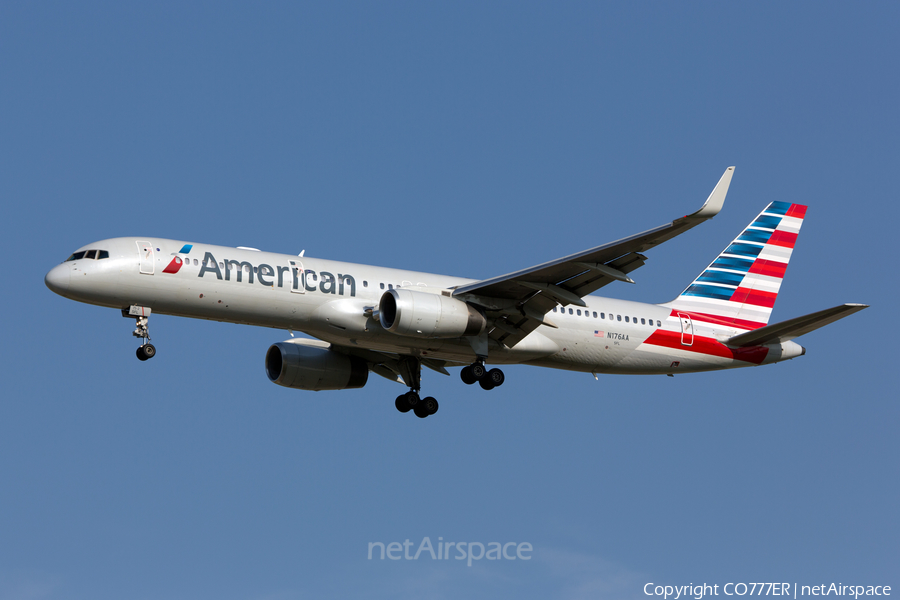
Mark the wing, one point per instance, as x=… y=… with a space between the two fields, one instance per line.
x=518 y=302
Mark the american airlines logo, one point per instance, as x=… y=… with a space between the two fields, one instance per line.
x=280 y=276
x=177 y=262
x=174 y=266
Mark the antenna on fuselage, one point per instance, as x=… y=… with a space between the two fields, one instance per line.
x=301 y=253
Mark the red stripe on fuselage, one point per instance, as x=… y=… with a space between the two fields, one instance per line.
x=770 y=268
x=708 y=346
x=754 y=297
x=718 y=319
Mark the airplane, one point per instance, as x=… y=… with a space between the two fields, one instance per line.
x=393 y=322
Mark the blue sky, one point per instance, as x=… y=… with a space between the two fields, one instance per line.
x=470 y=139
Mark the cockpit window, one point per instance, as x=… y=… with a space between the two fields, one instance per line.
x=89 y=255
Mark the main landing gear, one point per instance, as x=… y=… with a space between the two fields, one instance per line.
x=421 y=407
x=141 y=315
x=488 y=380
x=411 y=373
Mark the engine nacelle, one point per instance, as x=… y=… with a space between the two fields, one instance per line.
x=420 y=314
x=315 y=369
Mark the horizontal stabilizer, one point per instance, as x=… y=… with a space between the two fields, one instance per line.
x=792 y=328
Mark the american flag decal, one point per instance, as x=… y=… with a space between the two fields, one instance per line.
x=599 y=333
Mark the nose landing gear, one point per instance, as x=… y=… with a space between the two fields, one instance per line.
x=141 y=315
x=146 y=352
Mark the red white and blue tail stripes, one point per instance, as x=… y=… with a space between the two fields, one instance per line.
x=739 y=288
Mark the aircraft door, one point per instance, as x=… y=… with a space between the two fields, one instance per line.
x=687 y=330
x=145 y=250
x=298 y=276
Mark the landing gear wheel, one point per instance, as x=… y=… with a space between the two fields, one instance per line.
x=420 y=410
x=467 y=377
x=486 y=384
x=496 y=377
x=430 y=405
x=146 y=352
x=401 y=404
x=477 y=370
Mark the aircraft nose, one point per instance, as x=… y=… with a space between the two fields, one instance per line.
x=58 y=279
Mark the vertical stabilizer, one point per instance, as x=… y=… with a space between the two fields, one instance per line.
x=739 y=288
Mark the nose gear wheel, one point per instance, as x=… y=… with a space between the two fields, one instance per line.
x=141 y=316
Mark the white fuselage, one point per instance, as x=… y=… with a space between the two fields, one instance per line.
x=334 y=301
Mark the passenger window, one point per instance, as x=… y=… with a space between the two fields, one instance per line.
x=618 y=317
x=365 y=283
x=595 y=314
x=390 y=286
x=642 y=321
x=554 y=309
x=626 y=319
x=196 y=262
x=102 y=254
x=602 y=315
x=92 y=254
x=382 y=285
x=634 y=320
x=570 y=311
x=658 y=324
x=578 y=312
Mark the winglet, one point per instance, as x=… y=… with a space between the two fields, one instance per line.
x=716 y=199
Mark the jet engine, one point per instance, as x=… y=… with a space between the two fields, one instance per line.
x=425 y=315
x=315 y=369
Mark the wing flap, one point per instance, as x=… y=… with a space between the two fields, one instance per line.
x=593 y=279
x=510 y=329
